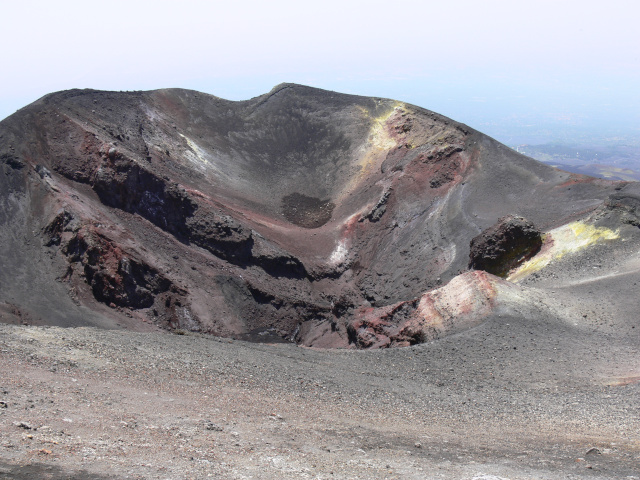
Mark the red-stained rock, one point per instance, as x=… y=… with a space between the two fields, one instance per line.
x=461 y=304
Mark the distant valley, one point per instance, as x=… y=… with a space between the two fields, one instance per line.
x=619 y=160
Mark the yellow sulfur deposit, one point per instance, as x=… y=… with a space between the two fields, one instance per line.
x=379 y=139
x=566 y=239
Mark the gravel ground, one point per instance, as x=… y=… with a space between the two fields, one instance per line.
x=507 y=400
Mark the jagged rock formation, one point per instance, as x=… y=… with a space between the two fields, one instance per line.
x=326 y=219
x=504 y=245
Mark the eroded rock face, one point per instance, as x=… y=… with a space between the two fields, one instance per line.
x=460 y=304
x=505 y=245
x=117 y=277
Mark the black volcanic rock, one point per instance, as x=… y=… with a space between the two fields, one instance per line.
x=505 y=245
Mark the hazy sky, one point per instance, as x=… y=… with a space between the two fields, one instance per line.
x=504 y=67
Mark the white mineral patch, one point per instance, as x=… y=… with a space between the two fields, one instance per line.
x=339 y=254
x=195 y=155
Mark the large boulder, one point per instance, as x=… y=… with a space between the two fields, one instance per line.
x=505 y=245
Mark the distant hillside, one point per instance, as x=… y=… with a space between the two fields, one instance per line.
x=614 y=162
x=609 y=172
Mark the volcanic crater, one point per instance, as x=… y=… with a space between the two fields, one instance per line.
x=324 y=219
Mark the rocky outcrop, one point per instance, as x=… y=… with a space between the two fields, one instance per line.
x=505 y=245
x=126 y=185
x=627 y=204
x=122 y=183
x=379 y=208
x=116 y=277
x=461 y=304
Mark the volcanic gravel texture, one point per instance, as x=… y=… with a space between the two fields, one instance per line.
x=170 y=227
x=512 y=398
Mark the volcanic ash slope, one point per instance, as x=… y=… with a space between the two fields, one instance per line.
x=326 y=219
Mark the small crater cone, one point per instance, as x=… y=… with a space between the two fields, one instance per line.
x=307 y=212
x=505 y=245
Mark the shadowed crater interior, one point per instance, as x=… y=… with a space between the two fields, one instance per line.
x=307 y=212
